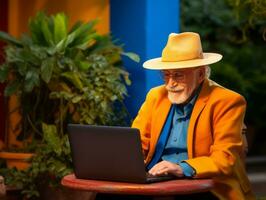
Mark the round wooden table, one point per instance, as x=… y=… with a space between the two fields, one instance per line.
x=165 y=188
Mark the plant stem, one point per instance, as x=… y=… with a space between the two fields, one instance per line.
x=61 y=116
x=32 y=126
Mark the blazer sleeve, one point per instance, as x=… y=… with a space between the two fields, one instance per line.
x=227 y=119
x=143 y=122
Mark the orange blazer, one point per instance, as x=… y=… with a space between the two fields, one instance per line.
x=214 y=139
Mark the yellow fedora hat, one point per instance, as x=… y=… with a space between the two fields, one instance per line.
x=182 y=50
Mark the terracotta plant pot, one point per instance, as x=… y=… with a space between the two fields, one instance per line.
x=17 y=160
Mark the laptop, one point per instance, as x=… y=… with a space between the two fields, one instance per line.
x=109 y=153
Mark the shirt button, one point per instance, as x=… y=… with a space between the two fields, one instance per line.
x=175 y=139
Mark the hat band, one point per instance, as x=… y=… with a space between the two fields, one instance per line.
x=184 y=57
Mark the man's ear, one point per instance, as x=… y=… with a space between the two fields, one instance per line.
x=201 y=74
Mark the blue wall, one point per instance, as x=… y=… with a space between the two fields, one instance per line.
x=143 y=27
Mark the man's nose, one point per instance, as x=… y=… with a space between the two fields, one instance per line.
x=171 y=82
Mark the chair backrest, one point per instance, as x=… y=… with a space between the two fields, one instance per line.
x=245 y=144
x=2 y=187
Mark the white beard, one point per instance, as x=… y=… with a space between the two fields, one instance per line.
x=177 y=98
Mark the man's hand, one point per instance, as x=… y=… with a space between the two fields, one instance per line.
x=166 y=167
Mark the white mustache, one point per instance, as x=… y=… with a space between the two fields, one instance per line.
x=176 y=89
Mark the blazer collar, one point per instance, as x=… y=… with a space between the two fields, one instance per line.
x=161 y=114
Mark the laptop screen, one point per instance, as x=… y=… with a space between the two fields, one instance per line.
x=107 y=153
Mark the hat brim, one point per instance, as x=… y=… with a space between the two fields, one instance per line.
x=158 y=64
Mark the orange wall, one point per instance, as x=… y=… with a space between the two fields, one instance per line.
x=21 y=10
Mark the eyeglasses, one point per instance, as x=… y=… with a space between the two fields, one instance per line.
x=175 y=75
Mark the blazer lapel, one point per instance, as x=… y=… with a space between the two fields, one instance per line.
x=198 y=107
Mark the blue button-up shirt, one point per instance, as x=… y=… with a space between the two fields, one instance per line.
x=176 y=147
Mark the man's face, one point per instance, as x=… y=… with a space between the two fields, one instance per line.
x=181 y=83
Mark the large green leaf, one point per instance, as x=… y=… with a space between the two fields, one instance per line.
x=39 y=52
x=60 y=27
x=47 y=32
x=35 y=26
x=74 y=78
x=81 y=33
x=132 y=56
x=61 y=46
x=31 y=79
x=77 y=99
x=62 y=94
x=26 y=55
x=51 y=137
x=9 y=39
x=84 y=42
x=12 y=54
x=83 y=65
x=47 y=69
x=78 y=36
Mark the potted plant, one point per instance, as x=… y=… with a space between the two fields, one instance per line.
x=61 y=75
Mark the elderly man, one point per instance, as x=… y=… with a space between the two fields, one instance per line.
x=191 y=126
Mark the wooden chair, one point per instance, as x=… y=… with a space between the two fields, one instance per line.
x=2 y=187
x=244 y=151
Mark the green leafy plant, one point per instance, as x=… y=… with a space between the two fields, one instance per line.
x=51 y=162
x=62 y=75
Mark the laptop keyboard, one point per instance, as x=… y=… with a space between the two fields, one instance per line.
x=152 y=178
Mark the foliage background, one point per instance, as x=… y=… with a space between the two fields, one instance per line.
x=237 y=30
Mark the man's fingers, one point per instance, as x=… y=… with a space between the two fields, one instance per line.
x=165 y=167
x=158 y=169
x=164 y=171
